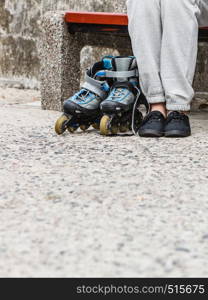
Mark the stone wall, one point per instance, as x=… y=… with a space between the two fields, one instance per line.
x=19 y=32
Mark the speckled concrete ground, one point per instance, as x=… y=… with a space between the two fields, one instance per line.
x=91 y=206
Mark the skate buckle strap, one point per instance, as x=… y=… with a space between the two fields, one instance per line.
x=99 y=88
x=118 y=74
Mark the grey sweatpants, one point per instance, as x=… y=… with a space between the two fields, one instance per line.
x=164 y=35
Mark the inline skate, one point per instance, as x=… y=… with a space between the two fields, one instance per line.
x=83 y=109
x=121 y=109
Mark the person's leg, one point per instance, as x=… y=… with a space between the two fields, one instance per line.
x=166 y=50
x=178 y=59
x=179 y=51
x=145 y=30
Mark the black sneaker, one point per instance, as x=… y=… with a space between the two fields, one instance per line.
x=153 y=125
x=177 y=125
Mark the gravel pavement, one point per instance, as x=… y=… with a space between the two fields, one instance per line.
x=84 y=205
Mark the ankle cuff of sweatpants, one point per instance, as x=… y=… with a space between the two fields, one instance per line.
x=178 y=107
x=156 y=99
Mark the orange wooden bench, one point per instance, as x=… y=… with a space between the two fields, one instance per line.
x=105 y=23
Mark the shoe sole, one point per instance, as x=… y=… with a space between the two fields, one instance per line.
x=177 y=133
x=150 y=133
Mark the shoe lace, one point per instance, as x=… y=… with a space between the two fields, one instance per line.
x=176 y=116
x=153 y=116
x=118 y=93
x=83 y=95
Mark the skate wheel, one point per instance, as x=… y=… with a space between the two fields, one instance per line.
x=60 y=126
x=105 y=129
x=123 y=128
x=84 y=127
x=96 y=126
x=104 y=125
x=71 y=129
x=114 y=129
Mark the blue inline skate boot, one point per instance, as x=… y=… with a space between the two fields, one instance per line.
x=121 y=109
x=83 y=109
